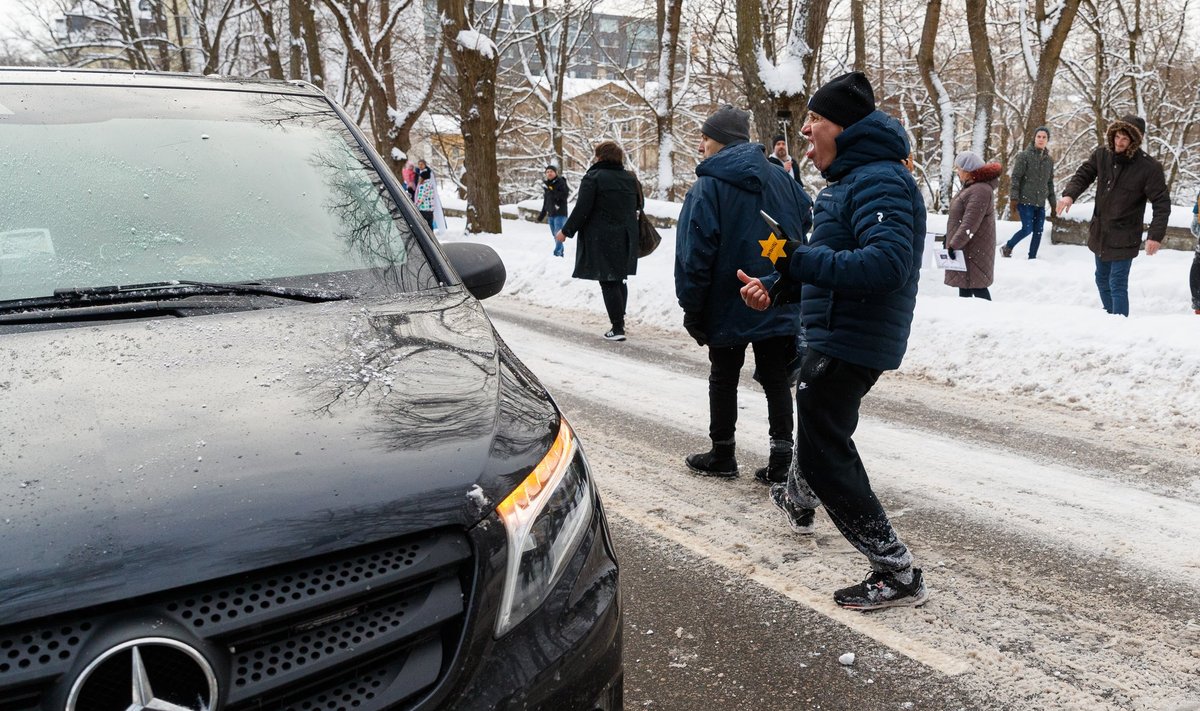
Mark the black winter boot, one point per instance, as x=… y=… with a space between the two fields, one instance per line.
x=718 y=462
x=776 y=471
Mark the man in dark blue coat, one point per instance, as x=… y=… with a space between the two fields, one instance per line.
x=719 y=232
x=857 y=280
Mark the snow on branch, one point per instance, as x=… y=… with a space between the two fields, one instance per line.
x=785 y=77
x=475 y=41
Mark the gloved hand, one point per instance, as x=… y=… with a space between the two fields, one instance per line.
x=694 y=324
x=950 y=252
x=790 y=248
x=541 y=217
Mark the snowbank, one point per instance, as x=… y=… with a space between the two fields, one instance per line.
x=1044 y=335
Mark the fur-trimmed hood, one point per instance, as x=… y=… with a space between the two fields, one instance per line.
x=987 y=173
x=1133 y=125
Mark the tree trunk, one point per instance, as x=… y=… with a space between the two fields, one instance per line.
x=941 y=99
x=553 y=57
x=858 y=14
x=159 y=18
x=476 y=69
x=211 y=44
x=749 y=44
x=1048 y=67
x=985 y=77
x=270 y=41
x=312 y=45
x=669 y=14
x=135 y=50
x=778 y=111
x=295 y=44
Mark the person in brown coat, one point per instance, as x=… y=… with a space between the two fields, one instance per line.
x=1126 y=179
x=972 y=225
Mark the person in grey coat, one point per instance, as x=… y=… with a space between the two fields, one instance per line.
x=971 y=226
x=1032 y=185
x=606 y=219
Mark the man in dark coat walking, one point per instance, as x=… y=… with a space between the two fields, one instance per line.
x=719 y=232
x=554 y=204
x=1126 y=179
x=857 y=275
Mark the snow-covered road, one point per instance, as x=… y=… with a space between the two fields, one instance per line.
x=1053 y=585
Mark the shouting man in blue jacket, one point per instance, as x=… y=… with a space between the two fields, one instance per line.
x=856 y=278
x=719 y=232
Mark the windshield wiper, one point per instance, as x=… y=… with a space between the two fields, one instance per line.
x=86 y=295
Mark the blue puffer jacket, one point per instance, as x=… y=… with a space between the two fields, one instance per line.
x=860 y=267
x=718 y=233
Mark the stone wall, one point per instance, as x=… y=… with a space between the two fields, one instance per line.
x=1076 y=232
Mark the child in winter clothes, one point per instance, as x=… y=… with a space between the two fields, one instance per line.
x=425 y=188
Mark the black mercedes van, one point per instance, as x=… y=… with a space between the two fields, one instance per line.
x=260 y=447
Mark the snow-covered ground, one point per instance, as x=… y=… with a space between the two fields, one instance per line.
x=1044 y=335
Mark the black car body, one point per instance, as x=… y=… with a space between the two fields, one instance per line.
x=260 y=447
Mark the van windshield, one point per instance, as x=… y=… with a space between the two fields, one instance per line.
x=116 y=185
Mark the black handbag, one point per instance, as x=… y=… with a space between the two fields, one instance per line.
x=648 y=237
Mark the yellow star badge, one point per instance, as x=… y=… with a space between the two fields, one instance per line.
x=773 y=248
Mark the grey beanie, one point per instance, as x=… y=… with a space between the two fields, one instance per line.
x=728 y=126
x=968 y=161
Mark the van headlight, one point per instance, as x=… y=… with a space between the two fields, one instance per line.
x=545 y=516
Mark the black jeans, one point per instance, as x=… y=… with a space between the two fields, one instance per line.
x=428 y=215
x=978 y=293
x=616 y=294
x=771 y=357
x=828 y=465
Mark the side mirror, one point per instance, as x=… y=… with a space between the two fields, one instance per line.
x=481 y=269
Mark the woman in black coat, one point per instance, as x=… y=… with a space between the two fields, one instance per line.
x=606 y=220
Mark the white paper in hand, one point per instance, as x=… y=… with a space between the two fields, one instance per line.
x=943 y=260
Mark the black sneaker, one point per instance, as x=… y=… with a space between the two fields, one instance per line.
x=709 y=464
x=800 y=519
x=776 y=471
x=615 y=334
x=882 y=590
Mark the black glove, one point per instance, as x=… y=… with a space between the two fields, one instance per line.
x=694 y=324
x=542 y=217
x=783 y=264
x=950 y=252
x=779 y=292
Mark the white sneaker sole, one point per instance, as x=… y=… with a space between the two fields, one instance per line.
x=914 y=601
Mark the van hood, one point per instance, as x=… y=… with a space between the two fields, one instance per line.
x=140 y=456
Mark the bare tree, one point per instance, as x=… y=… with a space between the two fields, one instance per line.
x=859 y=22
x=270 y=38
x=941 y=97
x=475 y=58
x=1058 y=22
x=556 y=34
x=770 y=68
x=985 y=76
x=366 y=33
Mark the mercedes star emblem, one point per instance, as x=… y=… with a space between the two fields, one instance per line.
x=148 y=674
